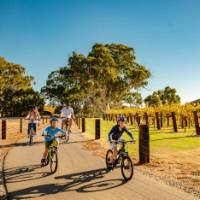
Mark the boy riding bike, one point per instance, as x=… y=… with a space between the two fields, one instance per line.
x=116 y=133
x=33 y=117
x=50 y=132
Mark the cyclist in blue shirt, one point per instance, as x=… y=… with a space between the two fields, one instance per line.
x=50 y=132
x=116 y=133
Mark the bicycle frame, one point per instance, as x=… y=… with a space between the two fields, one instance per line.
x=52 y=147
x=122 y=151
x=66 y=123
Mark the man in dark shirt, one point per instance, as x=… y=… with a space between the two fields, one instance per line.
x=116 y=133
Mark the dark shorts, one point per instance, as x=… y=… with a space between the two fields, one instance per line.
x=49 y=143
x=33 y=126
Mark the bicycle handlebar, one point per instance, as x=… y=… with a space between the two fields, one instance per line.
x=47 y=135
x=124 y=142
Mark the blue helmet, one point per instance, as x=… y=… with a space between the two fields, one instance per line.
x=53 y=119
x=121 y=118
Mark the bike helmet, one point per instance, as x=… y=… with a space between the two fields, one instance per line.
x=34 y=107
x=121 y=118
x=67 y=104
x=53 y=119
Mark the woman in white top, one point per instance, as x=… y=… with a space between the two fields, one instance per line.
x=33 y=117
x=67 y=113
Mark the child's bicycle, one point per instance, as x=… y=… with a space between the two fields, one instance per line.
x=31 y=131
x=66 y=129
x=127 y=166
x=52 y=156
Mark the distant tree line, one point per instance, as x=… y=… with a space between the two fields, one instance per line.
x=17 y=95
x=167 y=96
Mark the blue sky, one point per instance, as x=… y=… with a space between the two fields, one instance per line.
x=41 y=34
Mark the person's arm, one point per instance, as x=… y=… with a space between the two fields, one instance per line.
x=61 y=113
x=28 y=116
x=38 y=116
x=129 y=133
x=61 y=131
x=110 y=134
x=44 y=132
x=73 y=115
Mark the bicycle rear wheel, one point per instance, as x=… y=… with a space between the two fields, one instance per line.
x=109 y=163
x=67 y=131
x=30 y=138
x=67 y=137
x=127 y=168
x=53 y=161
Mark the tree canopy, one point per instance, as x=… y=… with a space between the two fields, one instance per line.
x=167 y=96
x=134 y=99
x=16 y=93
x=98 y=81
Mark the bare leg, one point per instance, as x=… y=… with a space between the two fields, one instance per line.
x=70 y=124
x=45 y=152
x=114 y=157
x=62 y=124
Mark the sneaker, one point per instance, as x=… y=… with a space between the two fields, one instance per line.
x=115 y=163
x=42 y=161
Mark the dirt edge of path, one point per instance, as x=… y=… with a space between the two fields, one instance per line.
x=3 y=188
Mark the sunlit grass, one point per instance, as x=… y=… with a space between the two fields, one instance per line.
x=164 y=139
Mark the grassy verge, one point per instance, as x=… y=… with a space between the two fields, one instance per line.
x=175 y=157
x=162 y=140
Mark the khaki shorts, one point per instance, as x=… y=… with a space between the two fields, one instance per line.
x=113 y=145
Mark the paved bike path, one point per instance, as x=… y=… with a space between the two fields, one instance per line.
x=80 y=176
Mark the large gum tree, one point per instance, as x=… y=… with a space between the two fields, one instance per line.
x=99 y=80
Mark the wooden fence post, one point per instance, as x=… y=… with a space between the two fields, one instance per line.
x=20 y=125
x=127 y=117
x=167 y=120
x=157 y=121
x=83 y=125
x=182 y=122
x=161 y=119
x=131 y=118
x=196 y=121
x=146 y=118
x=3 y=129
x=113 y=117
x=144 y=145
x=116 y=116
x=97 y=129
x=174 y=122
x=79 y=122
x=137 y=117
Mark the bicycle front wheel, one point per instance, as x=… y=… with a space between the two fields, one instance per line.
x=53 y=161
x=127 y=168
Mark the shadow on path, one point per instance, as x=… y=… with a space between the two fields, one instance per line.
x=25 y=173
x=79 y=182
x=21 y=144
